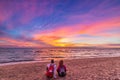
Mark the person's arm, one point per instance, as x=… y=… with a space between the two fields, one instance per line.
x=54 y=67
x=65 y=68
x=58 y=69
x=47 y=67
x=54 y=71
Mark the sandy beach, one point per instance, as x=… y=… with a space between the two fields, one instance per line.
x=77 y=69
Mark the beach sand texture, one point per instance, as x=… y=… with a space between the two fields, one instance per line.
x=77 y=69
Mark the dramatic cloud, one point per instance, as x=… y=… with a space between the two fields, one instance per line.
x=49 y=23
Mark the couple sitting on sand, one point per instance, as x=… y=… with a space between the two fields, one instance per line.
x=51 y=69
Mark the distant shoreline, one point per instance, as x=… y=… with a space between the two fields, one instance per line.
x=20 y=55
x=33 y=61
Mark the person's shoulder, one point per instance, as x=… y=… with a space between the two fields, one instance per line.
x=54 y=65
x=48 y=64
x=64 y=65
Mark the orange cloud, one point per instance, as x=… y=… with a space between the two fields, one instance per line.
x=61 y=36
x=48 y=39
x=53 y=37
x=17 y=43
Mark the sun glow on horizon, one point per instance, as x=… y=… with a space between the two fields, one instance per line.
x=48 y=23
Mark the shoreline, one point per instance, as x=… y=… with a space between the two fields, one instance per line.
x=28 y=62
x=107 y=68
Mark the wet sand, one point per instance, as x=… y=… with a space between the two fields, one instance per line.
x=77 y=69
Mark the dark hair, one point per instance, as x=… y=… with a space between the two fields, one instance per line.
x=61 y=62
x=52 y=61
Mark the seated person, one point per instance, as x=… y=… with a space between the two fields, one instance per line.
x=61 y=69
x=51 y=69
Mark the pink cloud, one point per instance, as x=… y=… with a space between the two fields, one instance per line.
x=34 y=9
x=17 y=43
x=27 y=9
x=5 y=14
x=103 y=25
x=92 y=29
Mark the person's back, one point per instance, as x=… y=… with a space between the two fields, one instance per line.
x=61 y=69
x=51 y=68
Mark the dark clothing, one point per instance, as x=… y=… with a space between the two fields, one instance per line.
x=62 y=74
x=61 y=71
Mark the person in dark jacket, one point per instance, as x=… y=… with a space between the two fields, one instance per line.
x=61 y=69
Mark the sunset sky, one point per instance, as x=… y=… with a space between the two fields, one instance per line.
x=59 y=23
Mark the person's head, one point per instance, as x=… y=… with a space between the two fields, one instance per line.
x=52 y=60
x=61 y=62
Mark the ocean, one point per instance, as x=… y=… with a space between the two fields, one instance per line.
x=8 y=55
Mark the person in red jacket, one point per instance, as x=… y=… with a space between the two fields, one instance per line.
x=51 y=70
x=61 y=69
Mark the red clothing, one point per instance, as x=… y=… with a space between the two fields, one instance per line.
x=58 y=69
